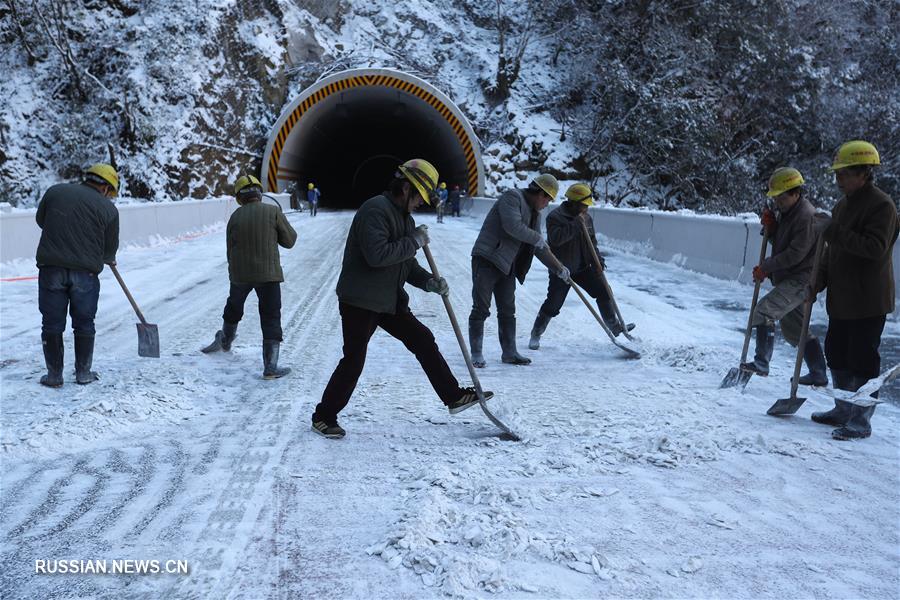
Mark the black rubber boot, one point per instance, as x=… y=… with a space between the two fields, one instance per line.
x=271 y=350
x=616 y=328
x=540 y=325
x=858 y=426
x=765 y=345
x=53 y=358
x=84 y=357
x=476 y=339
x=840 y=414
x=815 y=362
x=507 y=330
x=224 y=338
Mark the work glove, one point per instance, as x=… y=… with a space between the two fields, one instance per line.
x=420 y=234
x=759 y=275
x=564 y=273
x=768 y=219
x=438 y=285
x=541 y=244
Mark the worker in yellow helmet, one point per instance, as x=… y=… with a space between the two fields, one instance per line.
x=565 y=234
x=790 y=230
x=379 y=260
x=509 y=239
x=441 y=202
x=312 y=196
x=858 y=272
x=79 y=234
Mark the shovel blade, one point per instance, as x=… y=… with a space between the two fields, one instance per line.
x=736 y=376
x=785 y=406
x=148 y=340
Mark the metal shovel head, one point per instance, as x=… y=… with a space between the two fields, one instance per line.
x=785 y=406
x=148 y=340
x=736 y=376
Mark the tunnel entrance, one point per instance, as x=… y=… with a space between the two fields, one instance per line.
x=350 y=131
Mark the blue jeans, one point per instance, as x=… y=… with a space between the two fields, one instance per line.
x=62 y=289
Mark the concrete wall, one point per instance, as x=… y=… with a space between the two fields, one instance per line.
x=724 y=247
x=19 y=234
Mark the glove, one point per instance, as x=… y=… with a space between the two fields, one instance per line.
x=420 y=234
x=768 y=219
x=759 y=275
x=541 y=245
x=564 y=274
x=438 y=285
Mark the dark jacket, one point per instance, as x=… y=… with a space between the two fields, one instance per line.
x=509 y=225
x=80 y=228
x=857 y=265
x=793 y=244
x=379 y=258
x=566 y=238
x=254 y=232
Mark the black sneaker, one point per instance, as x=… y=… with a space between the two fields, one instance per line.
x=330 y=431
x=469 y=398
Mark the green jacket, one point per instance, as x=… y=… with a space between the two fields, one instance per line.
x=80 y=228
x=254 y=232
x=857 y=265
x=379 y=258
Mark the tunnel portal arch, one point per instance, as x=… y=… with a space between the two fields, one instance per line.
x=349 y=131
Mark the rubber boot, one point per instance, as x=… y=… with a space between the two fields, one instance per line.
x=540 y=325
x=53 y=358
x=270 y=360
x=224 y=338
x=476 y=339
x=815 y=362
x=765 y=344
x=858 y=426
x=840 y=414
x=84 y=357
x=507 y=330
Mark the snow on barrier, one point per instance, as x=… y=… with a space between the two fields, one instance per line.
x=138 y=223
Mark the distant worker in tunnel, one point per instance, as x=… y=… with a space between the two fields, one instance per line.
x=858 y=272
x=456 y=199
x=565 y=233
x=790 y=228
x=79 y=234
x=441 y=202
x=253 y=235
x=312 y=196
x=379 y=259
x=510 y=237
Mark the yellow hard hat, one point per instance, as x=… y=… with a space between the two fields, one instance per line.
x=443 y=186
x=106 y=173
x=245 y=181
x=548 y=183
x=311 y=186
x=784 y=179
x=854 y=153
x=580 y=192
x=422 y=175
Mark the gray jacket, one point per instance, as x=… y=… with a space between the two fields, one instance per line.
x=379 y=258
x=509 y=224
x=793 y=245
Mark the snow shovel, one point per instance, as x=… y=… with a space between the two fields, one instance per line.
x=507 y=432
x=148 y=334
x=557 y=266
x=603 y=280
x=736 y=375
x=863 y=396
x=790 y=405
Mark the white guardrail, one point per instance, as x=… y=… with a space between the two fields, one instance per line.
x=724 y=247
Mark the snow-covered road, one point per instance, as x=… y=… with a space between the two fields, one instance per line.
x=636 y=478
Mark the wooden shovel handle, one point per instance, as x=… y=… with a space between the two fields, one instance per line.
x=128 y=294
x=603 y=280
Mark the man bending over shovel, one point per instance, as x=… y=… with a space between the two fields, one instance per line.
x=792 y=233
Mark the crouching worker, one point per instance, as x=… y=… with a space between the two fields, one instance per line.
x=379 y=258
x=791 y=231
x=80 y=233
x=254 y=232
x=565 y=234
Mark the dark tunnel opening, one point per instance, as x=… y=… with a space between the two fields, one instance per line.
x=349 y=143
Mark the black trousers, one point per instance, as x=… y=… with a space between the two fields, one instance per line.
x=589 y=281
x=852 y=345
x=269 y=295
x=358 y=325
x=487 y=281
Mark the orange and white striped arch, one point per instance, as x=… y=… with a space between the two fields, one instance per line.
x=274 y=172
